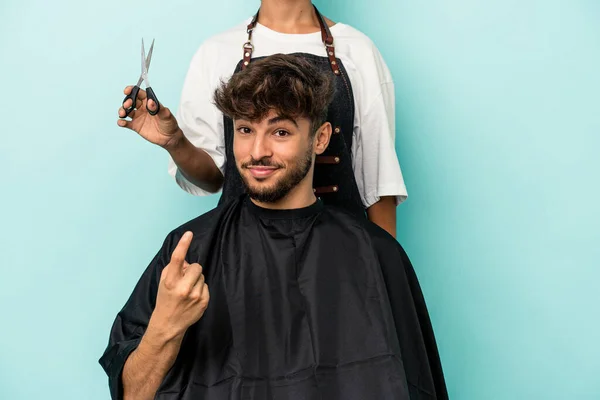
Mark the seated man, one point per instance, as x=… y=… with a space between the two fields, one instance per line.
x=273 y=295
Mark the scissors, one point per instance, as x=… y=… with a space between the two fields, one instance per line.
x=143 y=77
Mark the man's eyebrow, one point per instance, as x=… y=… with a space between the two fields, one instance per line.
x=277 y=119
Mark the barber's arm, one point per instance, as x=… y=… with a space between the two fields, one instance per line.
x=383 y=213
x=377 y=168
x=163 y=130
x=196 y=165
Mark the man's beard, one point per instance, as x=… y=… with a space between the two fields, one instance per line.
x=285 y=184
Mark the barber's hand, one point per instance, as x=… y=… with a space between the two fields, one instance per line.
x=160 y=129
x=182 y=293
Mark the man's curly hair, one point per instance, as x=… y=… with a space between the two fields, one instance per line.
x=287 y=84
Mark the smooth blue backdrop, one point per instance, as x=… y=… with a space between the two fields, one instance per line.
x=498 y=136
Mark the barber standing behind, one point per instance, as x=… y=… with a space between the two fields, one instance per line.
x=359 y=170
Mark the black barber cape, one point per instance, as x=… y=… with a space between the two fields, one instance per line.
x=305 y=304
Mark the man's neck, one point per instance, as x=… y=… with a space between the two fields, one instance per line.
x=288 y=16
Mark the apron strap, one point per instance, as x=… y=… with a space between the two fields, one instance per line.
x=326 y=37
x=248 y=47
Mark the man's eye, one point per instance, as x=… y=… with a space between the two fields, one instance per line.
x=245 y=130
x=281 y=133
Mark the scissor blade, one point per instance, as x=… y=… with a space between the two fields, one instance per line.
x=143 y=58
x=149 y=58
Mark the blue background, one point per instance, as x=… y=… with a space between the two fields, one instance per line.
x=498 y=130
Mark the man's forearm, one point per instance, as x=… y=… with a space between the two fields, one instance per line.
x=383 y=213
x=196 y=165
x=147 y=366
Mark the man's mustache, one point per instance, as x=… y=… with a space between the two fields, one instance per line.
x=263 y=162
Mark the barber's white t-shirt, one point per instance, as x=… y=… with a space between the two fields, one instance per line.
x=375 y=164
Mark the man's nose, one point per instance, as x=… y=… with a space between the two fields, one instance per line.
x=260 y=147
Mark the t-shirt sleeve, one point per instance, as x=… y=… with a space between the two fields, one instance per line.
x=376 y=166
x=131 y=322
x=198 y=117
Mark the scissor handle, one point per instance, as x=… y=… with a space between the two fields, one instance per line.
x=133 y=97
x=151 y=95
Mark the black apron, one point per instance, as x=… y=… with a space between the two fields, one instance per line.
x=334 y=181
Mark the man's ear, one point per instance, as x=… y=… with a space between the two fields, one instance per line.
x=322 y=137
